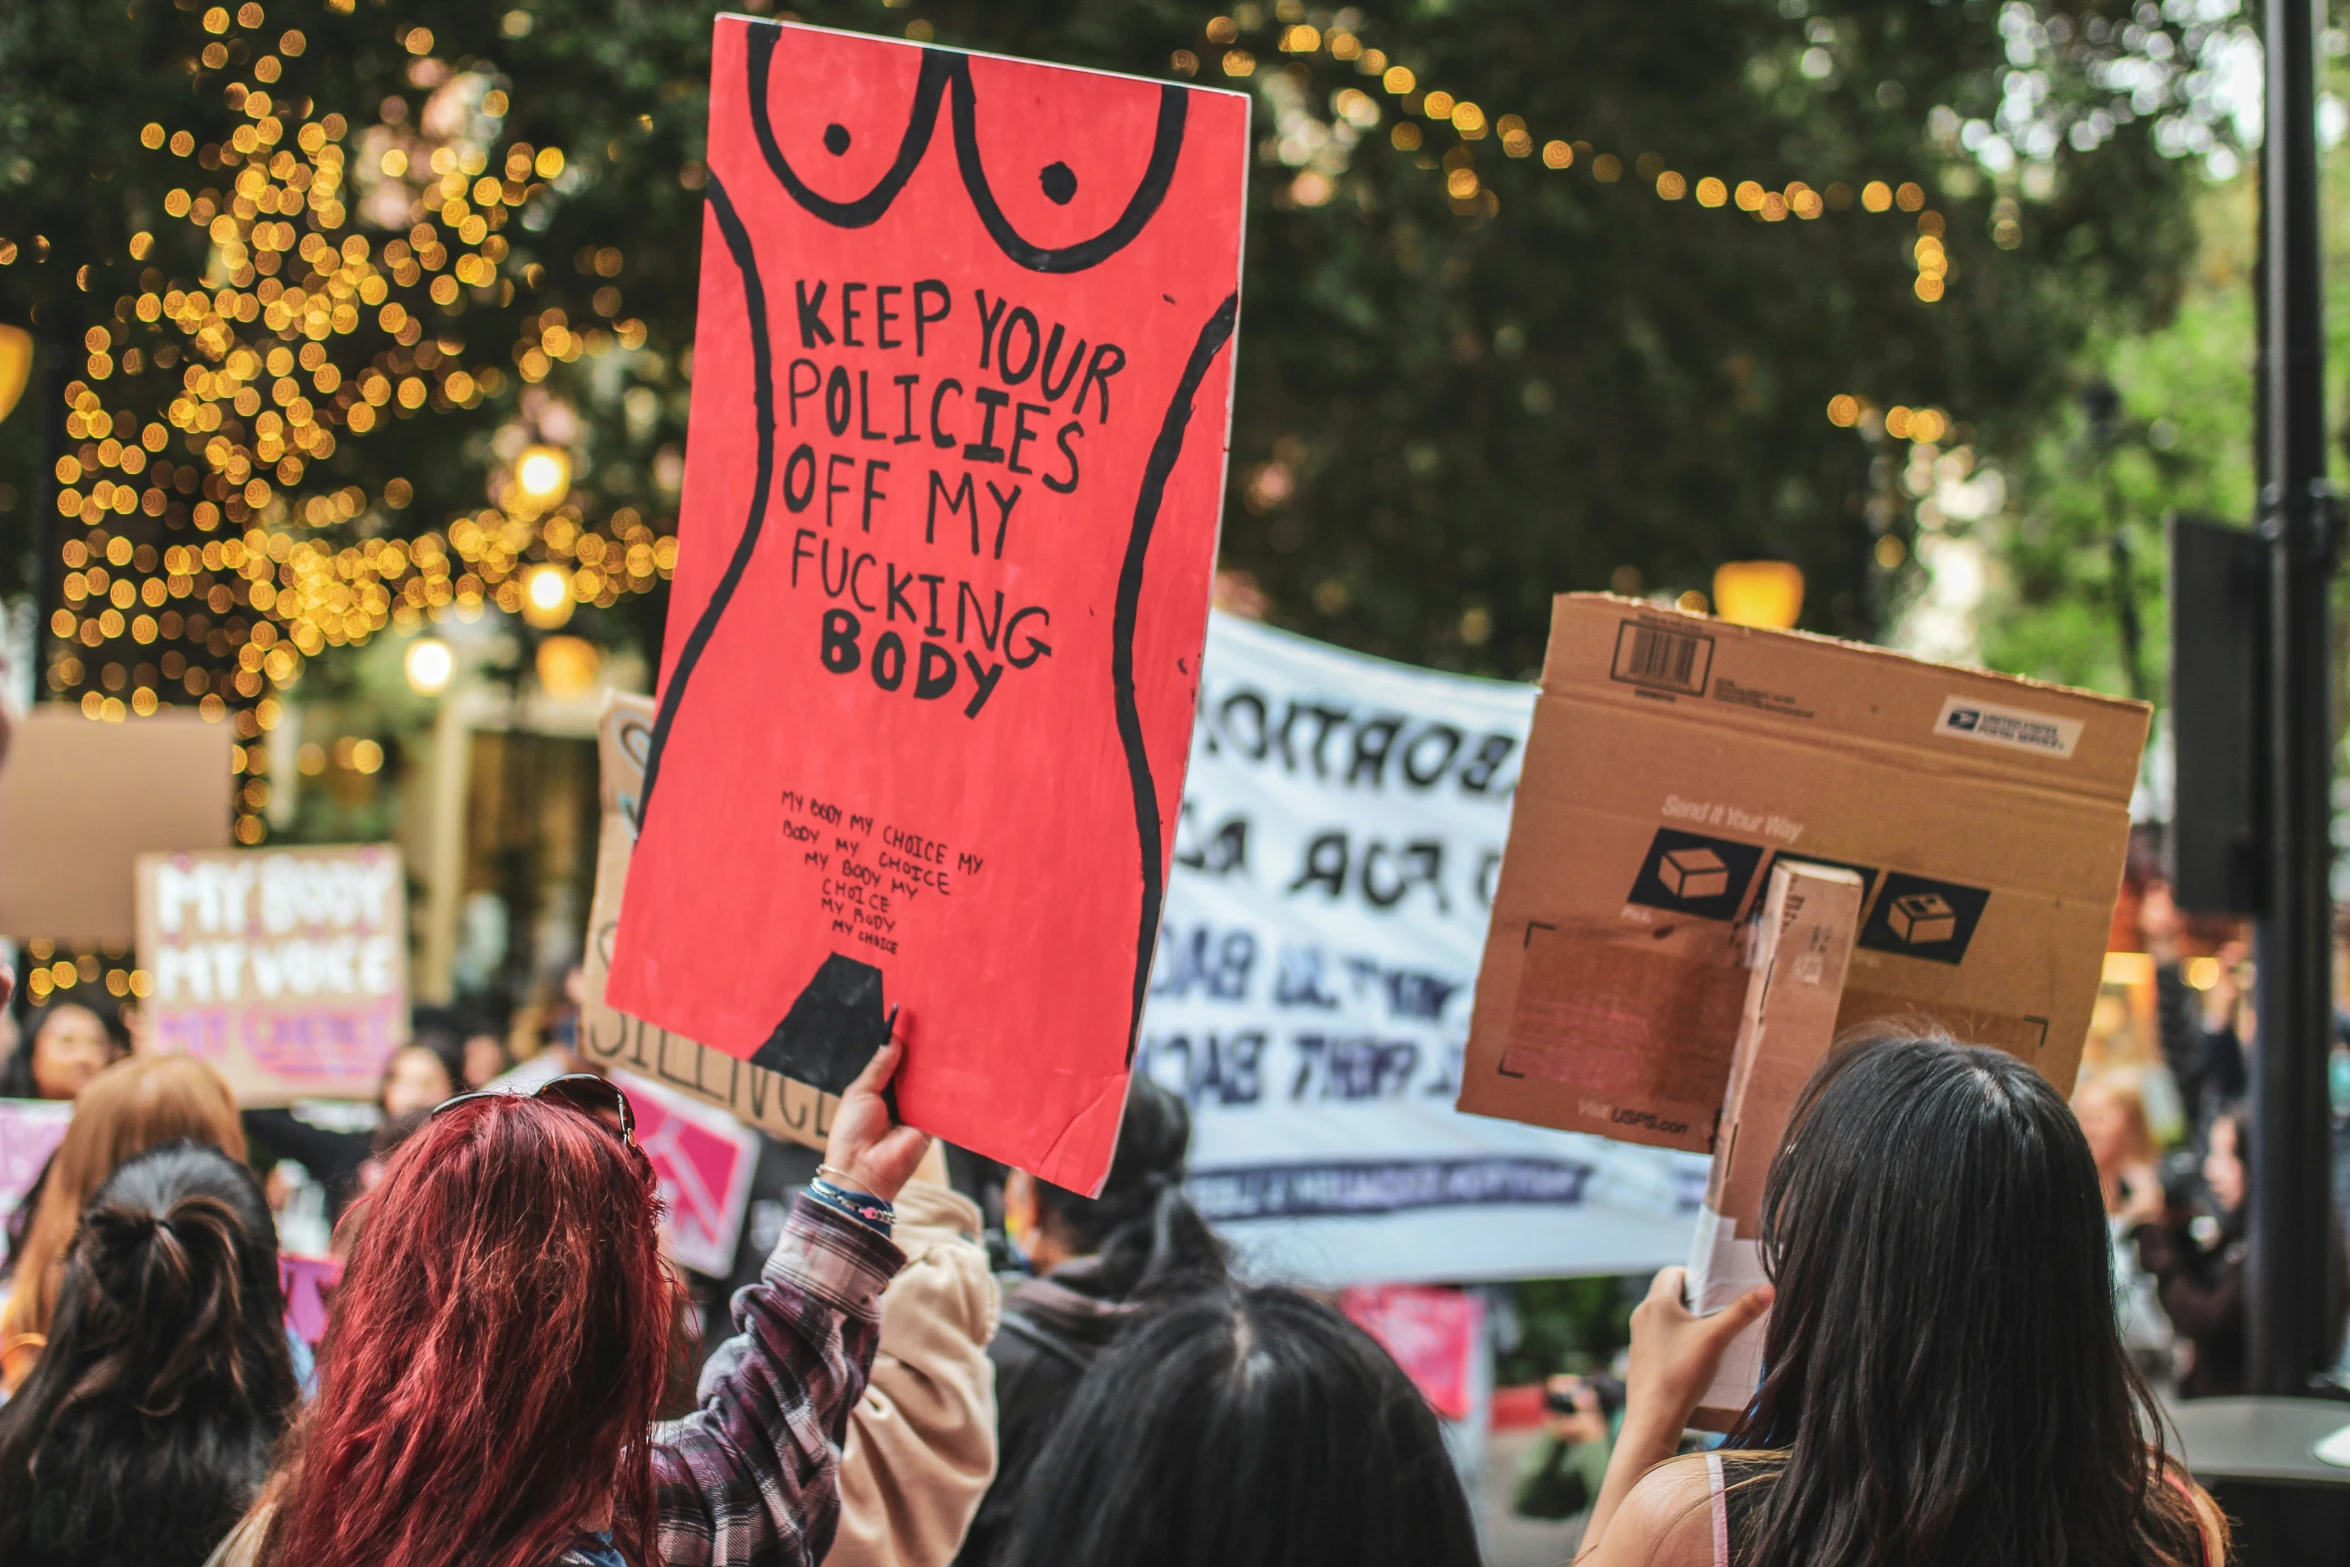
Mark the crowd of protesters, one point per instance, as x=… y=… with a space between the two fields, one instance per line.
x=502 y=1381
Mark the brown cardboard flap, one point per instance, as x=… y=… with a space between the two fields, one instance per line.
x=1625 y=651
x=1674 y=760
x=80 y=802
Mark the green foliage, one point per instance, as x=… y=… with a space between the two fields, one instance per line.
x=1447 y=411
x=1572 y=1325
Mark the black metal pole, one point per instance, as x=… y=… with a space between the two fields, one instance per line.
x=2289 y=1277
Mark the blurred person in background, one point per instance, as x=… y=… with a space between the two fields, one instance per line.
x=1096 y=1262
x=2205 y=1035
x=420 y=1074
x=1563 y=1470
x=1944 y=1379
x=143 y=1434
x=66 y=1044
x=128 y=1109
x=506 y=1325
x=2193 y=1244
x=1244 y=1428
x=2112 y=1111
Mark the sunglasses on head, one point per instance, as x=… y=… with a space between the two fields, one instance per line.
x=585 y=1092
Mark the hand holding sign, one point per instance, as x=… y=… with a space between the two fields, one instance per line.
x=867 y=1145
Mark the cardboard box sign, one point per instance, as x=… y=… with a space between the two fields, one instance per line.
x=1674 y=758
x=284 y=969
x=953 y=474
x=1803 y=944
x=769 y=1101
x=81 y=801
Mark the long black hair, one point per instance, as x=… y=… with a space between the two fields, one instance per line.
x=148 y=1422
x=1946 y=1382
x=1148 y=1237
x=1253 y=1428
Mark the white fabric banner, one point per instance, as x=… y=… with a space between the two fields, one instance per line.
x=1342 y=828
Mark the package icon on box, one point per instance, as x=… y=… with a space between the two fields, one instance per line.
x=1694 y=873
x=1922 y=919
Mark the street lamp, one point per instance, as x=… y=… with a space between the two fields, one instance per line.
x=543 y=475
x=546 y=596
x=16 y=366
x=429 y=665
x=1765 y=593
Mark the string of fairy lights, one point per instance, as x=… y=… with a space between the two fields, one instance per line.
x=206 y=579
x=1425 y=109
x=201 y=575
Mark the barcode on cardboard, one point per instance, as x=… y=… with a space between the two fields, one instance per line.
x=1662 y=658
x=2016 y=728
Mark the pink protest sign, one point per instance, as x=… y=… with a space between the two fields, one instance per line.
x=1432 y=1333
x=304 y=1281
x=30 y=1130
x=704 y=1159
x=286 y=970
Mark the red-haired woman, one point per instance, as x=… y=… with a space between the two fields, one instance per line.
x=502 y=1335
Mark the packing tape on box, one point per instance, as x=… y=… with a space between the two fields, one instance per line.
x=1724 y=1265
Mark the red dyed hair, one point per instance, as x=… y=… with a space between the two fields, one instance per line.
x=499 y=1344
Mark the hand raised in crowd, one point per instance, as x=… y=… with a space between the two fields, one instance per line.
x=867 y=1145
x=1588 y=1421
x=1675 y=1352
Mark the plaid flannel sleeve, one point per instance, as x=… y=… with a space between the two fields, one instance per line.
x=752 y=1477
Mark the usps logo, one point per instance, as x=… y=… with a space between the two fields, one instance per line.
x=2014 y=728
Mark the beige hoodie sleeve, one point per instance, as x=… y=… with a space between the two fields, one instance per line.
x=921 y=1449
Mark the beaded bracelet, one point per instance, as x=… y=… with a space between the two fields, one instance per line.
x=873 y=1212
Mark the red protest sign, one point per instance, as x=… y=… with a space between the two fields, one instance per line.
x=1434 y=1334
x=961 y=396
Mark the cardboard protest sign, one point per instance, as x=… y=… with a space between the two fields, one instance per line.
x=30 y=1130
x=954 y=467
x=1673 y=757
x=775 y=1104
x=704 y=1160
x=81 y=801
x=1803 y=945
x=286 y=970
x=1334 y=869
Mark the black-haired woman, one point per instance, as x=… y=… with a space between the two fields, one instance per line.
x=146 y=1427
x=1946 y=1383
x=1253 y=1428
x=1097 y=1262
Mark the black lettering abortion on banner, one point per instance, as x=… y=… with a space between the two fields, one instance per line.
x=746 y=261
x=1148 y=827
x=1382 y=874
x=1705 y=878
x=941 y=70
x=1221 y=850
x=1367 y=1187
x=1326 y=739
x=1920 y=918
x=1224 y=1069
